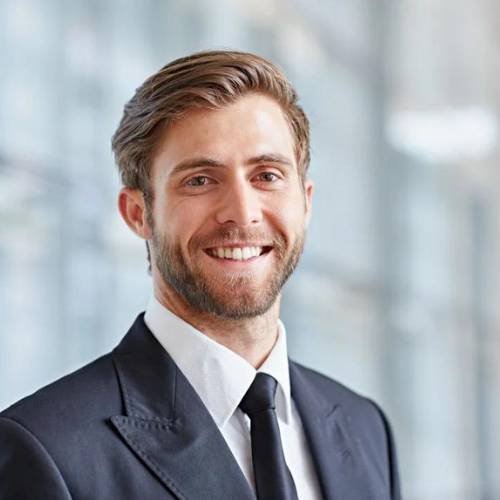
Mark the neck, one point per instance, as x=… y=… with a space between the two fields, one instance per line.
x=250 y=338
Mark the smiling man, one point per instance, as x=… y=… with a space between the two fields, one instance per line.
x=199 y=400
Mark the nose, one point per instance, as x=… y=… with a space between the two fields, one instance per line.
x=239 y=204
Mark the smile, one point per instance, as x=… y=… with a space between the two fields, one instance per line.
x=237 y=253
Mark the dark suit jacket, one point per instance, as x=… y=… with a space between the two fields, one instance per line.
x=130 y=426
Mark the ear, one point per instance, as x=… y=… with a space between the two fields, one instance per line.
x=132 y=207
x=308 y=193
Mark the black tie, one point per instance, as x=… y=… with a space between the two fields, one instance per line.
x=272 y=476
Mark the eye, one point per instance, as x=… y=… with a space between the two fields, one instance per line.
x=268 y=177
x=198 y=180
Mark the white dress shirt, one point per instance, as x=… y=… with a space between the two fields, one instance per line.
x=221 y=378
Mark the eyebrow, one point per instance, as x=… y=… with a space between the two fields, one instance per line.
x=202 y=161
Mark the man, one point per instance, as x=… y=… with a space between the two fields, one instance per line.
x=199 y=400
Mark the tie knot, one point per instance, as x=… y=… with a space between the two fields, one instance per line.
x=260 y=395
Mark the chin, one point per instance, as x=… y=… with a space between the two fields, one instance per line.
x=243 y=306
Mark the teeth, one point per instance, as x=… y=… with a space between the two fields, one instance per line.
x=237 y=254
x=243 y=253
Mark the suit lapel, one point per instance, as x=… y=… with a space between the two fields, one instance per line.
x=167 y=425
x=331 y=441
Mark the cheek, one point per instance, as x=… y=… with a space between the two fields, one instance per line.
x=288 y=216
x=293 y=207
x=184 y=220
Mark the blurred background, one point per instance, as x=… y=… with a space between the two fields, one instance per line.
x=397 y=295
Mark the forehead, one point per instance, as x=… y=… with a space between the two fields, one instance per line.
x=253 y=125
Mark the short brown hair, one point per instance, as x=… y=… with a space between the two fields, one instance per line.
x=210 y=79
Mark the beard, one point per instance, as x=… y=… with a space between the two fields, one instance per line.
x=226 y=295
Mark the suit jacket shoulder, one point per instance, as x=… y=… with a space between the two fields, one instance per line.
x=69 y=398
x=60 y=443
x=58 y=429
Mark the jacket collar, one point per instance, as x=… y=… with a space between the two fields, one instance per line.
x=334 y=448
x=168 y=427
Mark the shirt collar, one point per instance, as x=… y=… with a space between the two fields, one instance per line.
x=218 y=375
x=276 y=364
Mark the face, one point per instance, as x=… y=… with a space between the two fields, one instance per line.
x=229 y=211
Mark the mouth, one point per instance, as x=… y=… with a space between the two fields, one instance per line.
x=238 y=253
